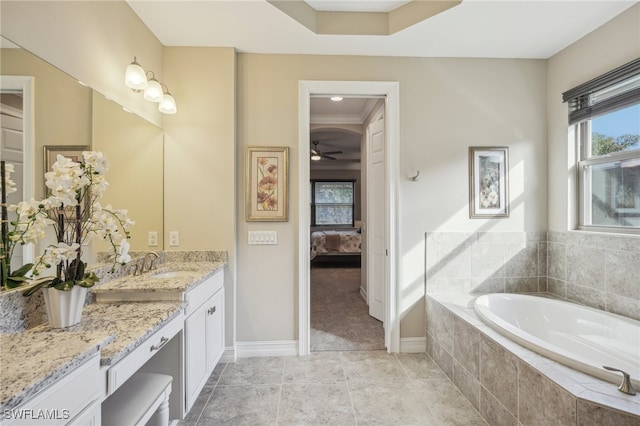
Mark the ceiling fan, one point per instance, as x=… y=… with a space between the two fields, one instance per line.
x=316 y=155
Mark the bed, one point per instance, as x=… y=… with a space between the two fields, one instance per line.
x=331 y=243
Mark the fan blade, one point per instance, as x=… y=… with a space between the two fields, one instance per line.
x=332 y=152
x=328 y=157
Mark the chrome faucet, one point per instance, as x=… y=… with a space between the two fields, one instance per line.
x=151 y=257
x=625 y=386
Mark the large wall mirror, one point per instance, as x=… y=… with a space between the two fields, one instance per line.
x=65 y=112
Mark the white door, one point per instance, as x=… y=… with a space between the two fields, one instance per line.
x=12 y=152
x=376 y=207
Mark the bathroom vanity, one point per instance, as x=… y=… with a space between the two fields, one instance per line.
x=167 y=321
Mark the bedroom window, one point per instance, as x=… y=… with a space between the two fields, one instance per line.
x=606 y=115
x=332 y=203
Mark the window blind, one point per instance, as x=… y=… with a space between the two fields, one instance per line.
x=613 y=90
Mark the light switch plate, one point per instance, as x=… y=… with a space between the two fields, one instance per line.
x=263 y=237
x=153 y=239
x=174 y=238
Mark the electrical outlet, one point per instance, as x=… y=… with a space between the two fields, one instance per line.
x=174 y=238
x=153 y=239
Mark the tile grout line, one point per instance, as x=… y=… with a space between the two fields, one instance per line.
x=284 y=365
x=211 y=394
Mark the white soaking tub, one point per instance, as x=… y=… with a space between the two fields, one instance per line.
x=580 y=337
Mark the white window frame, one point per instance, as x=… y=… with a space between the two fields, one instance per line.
x=583 y=140
x=616 y=89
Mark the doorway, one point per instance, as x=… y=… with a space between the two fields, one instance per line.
x=390 y=92
x=17 y=145
x=340 y=307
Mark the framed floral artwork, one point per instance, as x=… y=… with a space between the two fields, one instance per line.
x=267 y=170
x=488 y=182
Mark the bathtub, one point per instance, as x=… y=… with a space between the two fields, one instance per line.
x=580 y=337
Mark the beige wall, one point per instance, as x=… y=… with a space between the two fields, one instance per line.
x=134 y=148
x=446 y=105
x=93 y=41
x=614 y=44
x=200 y=157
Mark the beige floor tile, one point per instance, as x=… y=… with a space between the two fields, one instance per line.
x=315 y=404
x=371 y=365
x=249 y=371
x=319 y=367
x=242 y=405
x=389 y=402
x=420 y=366
x=447 y=404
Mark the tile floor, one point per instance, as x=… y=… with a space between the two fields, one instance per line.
x=332 y=388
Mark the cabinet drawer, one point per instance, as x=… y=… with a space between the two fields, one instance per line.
x=202 y=292
x=54 y=405
x=126 y=367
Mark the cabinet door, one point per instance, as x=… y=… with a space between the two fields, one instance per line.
x=195 y=354
x=215 y=330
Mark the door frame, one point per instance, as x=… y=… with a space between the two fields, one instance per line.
x=25 y=84
x=390 y=90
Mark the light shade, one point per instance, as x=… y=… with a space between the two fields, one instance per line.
x=135 y=77
x=153 y=92
x=315 y=156
x=168 y=104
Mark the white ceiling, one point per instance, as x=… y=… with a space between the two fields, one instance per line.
x=475 y=28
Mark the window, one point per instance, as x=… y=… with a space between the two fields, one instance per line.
x=606 y=114
x=332 y=203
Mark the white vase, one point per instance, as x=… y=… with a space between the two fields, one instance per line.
x=64 y=308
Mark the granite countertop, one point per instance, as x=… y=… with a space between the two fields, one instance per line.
x=32 y=361
x=130 y=323
x=150 y=282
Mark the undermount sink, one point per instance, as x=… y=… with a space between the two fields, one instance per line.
x=175 y=274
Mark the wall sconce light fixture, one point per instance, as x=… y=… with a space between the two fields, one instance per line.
x=136 y=79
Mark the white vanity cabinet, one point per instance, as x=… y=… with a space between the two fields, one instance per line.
x=72 y=400
x=204 y=333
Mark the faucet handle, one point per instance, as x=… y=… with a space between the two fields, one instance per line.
x=133 y=266
x=625 y=386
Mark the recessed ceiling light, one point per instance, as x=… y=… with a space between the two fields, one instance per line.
x=336 y=98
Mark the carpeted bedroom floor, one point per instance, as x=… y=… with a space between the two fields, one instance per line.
x=340 y=318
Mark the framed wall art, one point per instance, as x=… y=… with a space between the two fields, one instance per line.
x=51 y=152
x=488 y=182
x=267 y=170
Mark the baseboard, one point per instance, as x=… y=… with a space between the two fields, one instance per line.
x=290 y=348
x=267 y=348
x=413 y=344
x=230 y=354
x=363 y=293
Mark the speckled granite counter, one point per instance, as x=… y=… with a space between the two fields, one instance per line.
x=130 y=323
x=30 y=362
x=33 y=360
x=151 y=282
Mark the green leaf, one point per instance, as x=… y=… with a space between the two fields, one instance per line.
x=21 y=272
x=89 y=280
x=37 y=286
x=64 y=285
x=12 y=283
